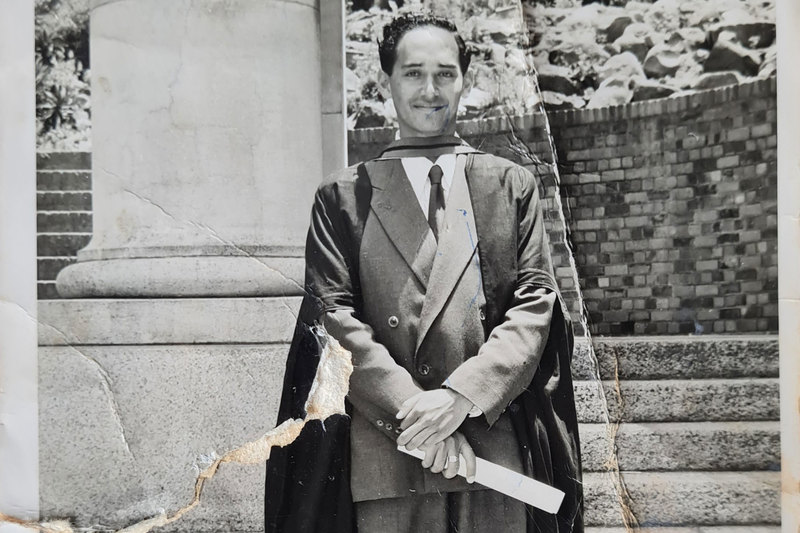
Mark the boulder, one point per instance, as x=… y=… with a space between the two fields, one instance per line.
x=750 y=31
x=502 y=31
x=691 y=67
x=553 y=100
x=662 y=60
x=727 y=54
x=645 y=89
x=574 y=50
x=753 y=34
x=556 y=79
x=711 y=11
x=713 y=80
x=688 y=38
x=585 y=17
x=613 y=91
x=665 y=14
x=613 y=30
x=637 y=39
x=637 y=10
x=625 y=65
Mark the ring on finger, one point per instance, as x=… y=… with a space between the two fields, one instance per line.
x=453 y=458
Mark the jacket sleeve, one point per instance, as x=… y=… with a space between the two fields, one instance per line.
x=378 y=385
x=506 y=362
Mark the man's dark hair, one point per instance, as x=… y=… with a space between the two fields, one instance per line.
x=394 y=31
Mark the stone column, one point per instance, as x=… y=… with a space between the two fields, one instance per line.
x=170 y=350
x=334 y=106
x=206 y=147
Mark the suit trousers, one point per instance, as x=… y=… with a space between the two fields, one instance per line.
x=478 y=511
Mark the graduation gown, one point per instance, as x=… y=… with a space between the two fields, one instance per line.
x=308 y=482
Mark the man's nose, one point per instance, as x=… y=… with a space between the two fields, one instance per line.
x=429 y=90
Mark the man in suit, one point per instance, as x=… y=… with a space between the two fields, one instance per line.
x=430 y=264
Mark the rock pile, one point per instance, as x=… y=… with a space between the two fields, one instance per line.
x=585 y=56
x=617 y=55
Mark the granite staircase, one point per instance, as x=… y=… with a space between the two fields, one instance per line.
x=698 y=440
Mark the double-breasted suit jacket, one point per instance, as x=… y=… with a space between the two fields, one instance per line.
x=471 y=312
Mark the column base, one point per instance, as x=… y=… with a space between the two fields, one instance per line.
x=183 y=277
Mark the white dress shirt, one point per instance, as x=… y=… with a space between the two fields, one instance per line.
x=417 y=169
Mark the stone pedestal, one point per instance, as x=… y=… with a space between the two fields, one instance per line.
x=207 y=135
x=137 y=396
x=208 y=146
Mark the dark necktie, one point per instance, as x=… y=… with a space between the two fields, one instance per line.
x=436 y=201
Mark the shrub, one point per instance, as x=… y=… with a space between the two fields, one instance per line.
x=63 y=110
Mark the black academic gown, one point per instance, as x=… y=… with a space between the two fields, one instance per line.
x=308 y=482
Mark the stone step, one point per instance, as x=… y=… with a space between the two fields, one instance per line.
x=670 y=499
x=678 y=357
x=64 y=222
x=64 y=181
x=679 y=400
x=681 y=446
x=63 y=160
x=63 y=201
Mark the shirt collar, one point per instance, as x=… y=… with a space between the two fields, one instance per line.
x=417 y=169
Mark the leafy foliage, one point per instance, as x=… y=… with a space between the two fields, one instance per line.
x=63 y=109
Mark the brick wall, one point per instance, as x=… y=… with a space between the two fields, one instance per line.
x=671 y=206
x=64 y=213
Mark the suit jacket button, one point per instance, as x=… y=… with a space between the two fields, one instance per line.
x=379 y=423
x=482 y=314
x=393 y=321
x=424 y=369
x=389 y=427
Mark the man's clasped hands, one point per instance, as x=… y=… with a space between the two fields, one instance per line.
x=430 y=420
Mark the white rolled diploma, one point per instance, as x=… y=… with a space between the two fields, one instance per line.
x=499 y=478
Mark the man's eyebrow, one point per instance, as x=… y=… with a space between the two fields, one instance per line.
x=418 y=65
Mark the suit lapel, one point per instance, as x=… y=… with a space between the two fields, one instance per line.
x=396 y=207
x=457 y=244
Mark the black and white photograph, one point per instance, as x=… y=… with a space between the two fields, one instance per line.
x=399 y=266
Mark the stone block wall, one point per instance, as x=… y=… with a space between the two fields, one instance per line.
x=64 y=213
x=671 y=206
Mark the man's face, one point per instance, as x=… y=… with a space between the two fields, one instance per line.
x=426 y=82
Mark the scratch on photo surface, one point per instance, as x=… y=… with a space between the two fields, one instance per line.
x=326 y=398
